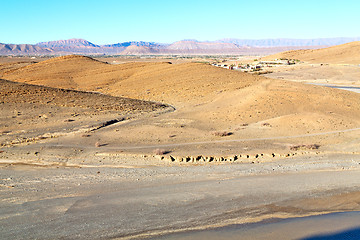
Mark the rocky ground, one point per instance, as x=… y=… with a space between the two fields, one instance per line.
x=231 y=148
x=114 y=201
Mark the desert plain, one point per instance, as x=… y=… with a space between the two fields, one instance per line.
x=93 y=148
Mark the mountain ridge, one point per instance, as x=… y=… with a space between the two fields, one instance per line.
x=69 y=42
x=7 y=49
x=187 y=46
x=276 y=42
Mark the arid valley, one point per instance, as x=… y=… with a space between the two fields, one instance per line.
x=132 y=148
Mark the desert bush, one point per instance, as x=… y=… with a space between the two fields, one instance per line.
x=159 y=151
x=221 y=133
x=303 y=146
x=263 y=72
x=97 y=144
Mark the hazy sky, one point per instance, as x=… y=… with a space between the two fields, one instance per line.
x=113 y=21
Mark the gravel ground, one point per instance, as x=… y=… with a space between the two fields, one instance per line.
x=97 y=202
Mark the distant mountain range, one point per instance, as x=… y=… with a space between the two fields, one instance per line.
x=23 y=49
x=187 y=47
x=281 y=42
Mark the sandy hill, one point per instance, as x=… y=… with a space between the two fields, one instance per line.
x=57 y=72
x=12 y=92
x=11 y=66
x=348 y=53
x=31 y=112
x=210 y=97
x=173 y=83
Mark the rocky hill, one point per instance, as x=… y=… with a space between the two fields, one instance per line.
x=74 y=45
x=23 y=49
x=136 y=43
x=74 y=42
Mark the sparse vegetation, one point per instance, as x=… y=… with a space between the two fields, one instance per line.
x=221 y=133
x=159 y=151
x=304 y=147
x=262 y=72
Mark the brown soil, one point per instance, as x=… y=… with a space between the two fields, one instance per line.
x=346 y=53
x=216 y=97
x=31 y=113
x=12 y=92
x=108 y=146
x=207 y=99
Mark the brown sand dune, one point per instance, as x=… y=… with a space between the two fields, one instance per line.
x=209 y=98
x=348 y=53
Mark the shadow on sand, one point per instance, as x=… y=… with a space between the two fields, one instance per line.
x=350 y=234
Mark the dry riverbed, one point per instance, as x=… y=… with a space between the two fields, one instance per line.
x=96 y=201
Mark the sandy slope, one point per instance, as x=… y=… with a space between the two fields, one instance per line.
x=30 y=111
x=327 y=74
x=118 y=190
x=213 y=96
x=348 y=53
x=161 y=81
x=207 y=100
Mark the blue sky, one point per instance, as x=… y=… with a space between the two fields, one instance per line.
x=111 y=21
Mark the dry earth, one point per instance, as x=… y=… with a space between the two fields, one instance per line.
x=338 y=65
x=209 y=102
x=32 y=113
x=227 y=144
x=347 y=53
